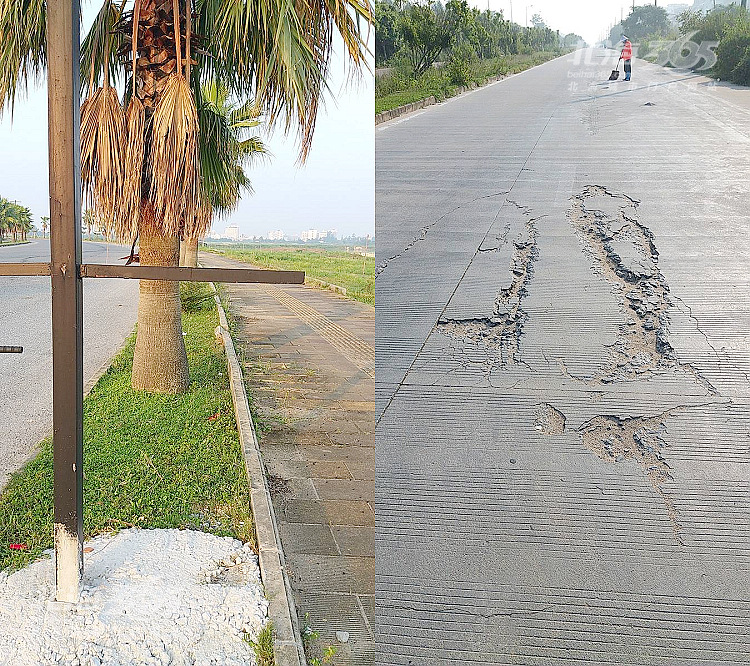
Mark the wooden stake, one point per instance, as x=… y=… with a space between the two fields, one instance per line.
x=63 y=55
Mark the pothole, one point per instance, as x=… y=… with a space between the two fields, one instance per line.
x=624 y=253
x=550 y=421
x=620 y=440
x=640 y=439
x=501 y=332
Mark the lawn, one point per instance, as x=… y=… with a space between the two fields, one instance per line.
x=353 y=272
x=400 y=89
x=151 y=461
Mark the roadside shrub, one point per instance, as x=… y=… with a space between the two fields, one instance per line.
x=741 y=72
x=730 y=53
x=459 y=68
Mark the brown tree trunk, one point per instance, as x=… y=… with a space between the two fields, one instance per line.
x=160 y=362
x=183 y=247
x=191 y=251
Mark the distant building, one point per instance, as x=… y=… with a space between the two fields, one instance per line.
x=232 y=232
x=276 y=235
x=705 y=5
x=675 y=10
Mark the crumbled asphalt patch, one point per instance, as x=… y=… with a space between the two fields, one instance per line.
x=501 y=333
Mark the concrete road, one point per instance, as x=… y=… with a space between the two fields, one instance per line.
x=563 y=372
x=110 y=313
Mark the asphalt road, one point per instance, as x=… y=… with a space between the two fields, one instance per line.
x=110 y=313
x=563 y=372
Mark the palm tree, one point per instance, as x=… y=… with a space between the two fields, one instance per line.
x=45 y=225
x=139 y=157
x=15 y=219
x=224 y=150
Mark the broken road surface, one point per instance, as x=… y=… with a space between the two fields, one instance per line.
x=563 y=372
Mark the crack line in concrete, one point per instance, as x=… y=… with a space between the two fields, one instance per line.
x=422 y=235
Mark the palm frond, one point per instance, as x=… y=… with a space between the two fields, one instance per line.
x=103 y=138
x=23 y=46
x=132 y=191
x=102 y=41
x=174 y=167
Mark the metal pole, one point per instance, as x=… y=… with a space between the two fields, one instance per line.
x=67 y=294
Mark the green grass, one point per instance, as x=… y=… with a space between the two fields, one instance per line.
x=263 y=647
x=334 y=266
x=151 y=461
x=399 y=89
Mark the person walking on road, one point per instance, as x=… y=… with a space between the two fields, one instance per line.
x=627 y=57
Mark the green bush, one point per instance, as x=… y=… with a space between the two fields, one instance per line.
x=741 y=72
x=730 y=53
x=459 y=68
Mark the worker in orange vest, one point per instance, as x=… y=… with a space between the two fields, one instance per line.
x=627 y=56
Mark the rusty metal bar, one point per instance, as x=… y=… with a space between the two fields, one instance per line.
x=187 y=274
x=63 y=85
x=5 y=349
x=23 y=270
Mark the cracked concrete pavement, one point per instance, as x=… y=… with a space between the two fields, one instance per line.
x=563 y=372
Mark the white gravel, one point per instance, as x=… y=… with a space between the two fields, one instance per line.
x=159 y=597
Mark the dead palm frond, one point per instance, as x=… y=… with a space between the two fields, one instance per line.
x=103 y=137
x=132 y=191
x=135 y=150
x=174 y=170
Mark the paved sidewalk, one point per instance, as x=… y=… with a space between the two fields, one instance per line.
x=309 y=362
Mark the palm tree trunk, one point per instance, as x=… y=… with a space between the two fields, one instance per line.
x=183 y=247
x=160 y=362
x=191 y=251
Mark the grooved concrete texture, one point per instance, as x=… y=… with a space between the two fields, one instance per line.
x=563 y=376
x=309 y=372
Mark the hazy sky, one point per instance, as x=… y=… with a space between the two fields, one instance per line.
x=333 y=190
x=589 y=18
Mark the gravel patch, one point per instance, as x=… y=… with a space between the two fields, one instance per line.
x=161 y=597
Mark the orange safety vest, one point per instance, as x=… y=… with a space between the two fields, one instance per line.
x=627 y=51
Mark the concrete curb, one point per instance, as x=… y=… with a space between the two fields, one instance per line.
x=328 y=285
x=384 y=116
x=288 y=647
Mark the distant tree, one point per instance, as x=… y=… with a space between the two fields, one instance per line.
x=537 y=21
x=14 y=219
x=387 y=36
x=45 y=226
x=429 y=29
x=89 y=221
x=646 y=21
x=571 y=39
